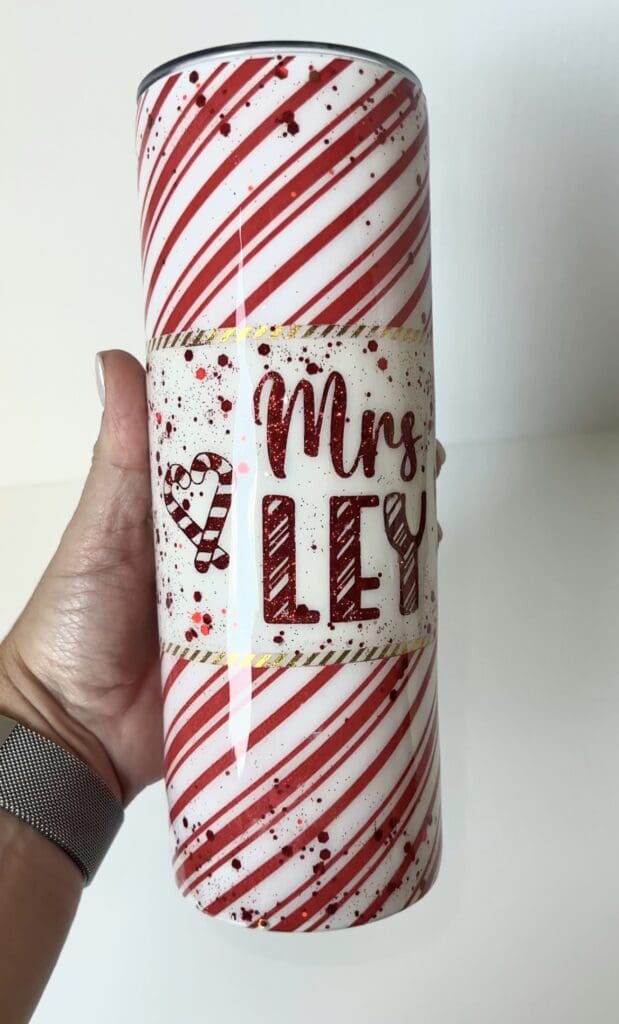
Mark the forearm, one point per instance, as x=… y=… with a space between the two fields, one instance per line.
x=40 y=888
x=40 y=885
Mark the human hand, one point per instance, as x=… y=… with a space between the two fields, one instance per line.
x=81 y=664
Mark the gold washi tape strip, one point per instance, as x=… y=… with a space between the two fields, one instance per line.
x=287 y=332
x=279 y=659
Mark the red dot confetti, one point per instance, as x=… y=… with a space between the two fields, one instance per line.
x=200 y=373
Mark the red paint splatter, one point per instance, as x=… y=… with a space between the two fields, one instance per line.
x=382 y=363
x=372 y=345
x=224 y=128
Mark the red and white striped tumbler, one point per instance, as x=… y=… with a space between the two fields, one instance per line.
x=285 y=235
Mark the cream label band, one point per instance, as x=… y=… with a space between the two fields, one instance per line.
x=296 y=483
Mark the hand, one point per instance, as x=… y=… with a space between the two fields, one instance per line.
x=441 y=455
x=81 y=665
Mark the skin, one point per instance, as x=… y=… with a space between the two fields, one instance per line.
x=81 y=666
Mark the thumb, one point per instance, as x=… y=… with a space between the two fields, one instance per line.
x=116 y=495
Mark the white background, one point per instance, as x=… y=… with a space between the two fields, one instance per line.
x=524 y=103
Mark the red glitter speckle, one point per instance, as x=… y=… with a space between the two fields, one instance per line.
x=200 y=373
x=200 y=100
x=278 y=639
x=197 y=596
x=193 y=77
x=189 y=635
x=188 y=355
x=226 y=404
x=372 y=345
x=281 y=71
x=205 y=630
x=236 y=864
x=223 y=359
x=158 y=417
x=313 y=368
x=382 y=363
x=224 y=128
x=196 y=617
x=264 y=349
x=323 y=837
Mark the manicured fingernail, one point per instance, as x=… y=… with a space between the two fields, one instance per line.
x=100 y=375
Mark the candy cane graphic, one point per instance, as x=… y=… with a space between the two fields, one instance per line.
x=204 y=538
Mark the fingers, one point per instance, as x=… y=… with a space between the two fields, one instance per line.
x=123 y=439
x=116 y=496
x=441 y=455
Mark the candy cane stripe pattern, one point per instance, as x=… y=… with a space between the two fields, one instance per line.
x=285 y=246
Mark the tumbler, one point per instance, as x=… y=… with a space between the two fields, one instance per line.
x=285 y=241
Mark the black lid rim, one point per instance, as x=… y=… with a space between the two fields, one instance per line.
x=266 y=46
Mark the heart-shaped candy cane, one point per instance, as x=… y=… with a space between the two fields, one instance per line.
x=205 y=538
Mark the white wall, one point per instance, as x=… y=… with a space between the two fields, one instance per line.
x=523 y=100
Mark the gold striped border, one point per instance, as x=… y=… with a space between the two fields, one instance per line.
x=286 y=332
x=277 y=659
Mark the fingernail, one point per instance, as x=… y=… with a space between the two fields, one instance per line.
x=100 y=375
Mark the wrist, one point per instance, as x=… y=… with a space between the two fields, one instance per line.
x=24 y=698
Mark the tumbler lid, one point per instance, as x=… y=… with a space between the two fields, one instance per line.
x=275 y=47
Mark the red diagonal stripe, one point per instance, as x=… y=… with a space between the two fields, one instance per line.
x=309 y=908
x=335 y=891
x=431 y=870
x=336 y=311
x=239 y=153
x=216 y=725
x=205 y=116
x=190 y=106
x=396 y=878
x=254 y=878
x=266 y=804
x=264 y=184
x=403 y=314
x=194 y=696
x=151 y=116
x=304 y=180
x=257 y=734
x=282 y=763
x=374 y=244
x=279 y=277
x=173 y=675
x=377 y=296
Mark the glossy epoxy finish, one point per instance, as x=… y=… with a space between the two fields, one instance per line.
x=285 y=234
